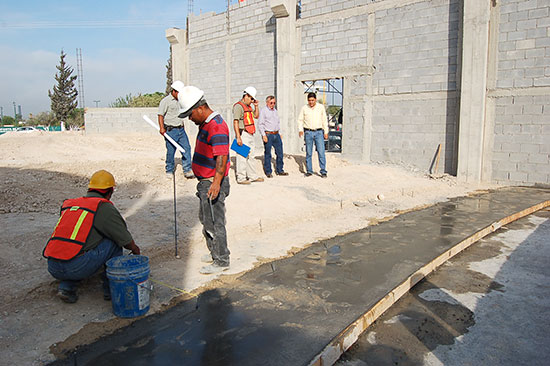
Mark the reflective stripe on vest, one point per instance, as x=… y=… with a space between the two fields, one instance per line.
x=73 y=228
x=248 y=118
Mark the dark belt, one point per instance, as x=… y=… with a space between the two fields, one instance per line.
x=170 y=128
x=309 y=129
x=272 y=132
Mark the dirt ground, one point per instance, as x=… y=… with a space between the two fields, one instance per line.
x=265 y=221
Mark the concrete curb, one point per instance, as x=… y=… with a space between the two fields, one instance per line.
x=332 y=352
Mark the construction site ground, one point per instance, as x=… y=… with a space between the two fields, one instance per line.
x=298 y=310
x=265 y=221
x=486 y=306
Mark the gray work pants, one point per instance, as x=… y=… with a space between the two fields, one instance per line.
x=212 y=218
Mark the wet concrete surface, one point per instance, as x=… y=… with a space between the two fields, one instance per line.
x=486 y=306
x=287 y=311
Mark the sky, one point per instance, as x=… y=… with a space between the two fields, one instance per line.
x=123 y=46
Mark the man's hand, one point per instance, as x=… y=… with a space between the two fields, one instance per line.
x=239 y=141
x=133 y=248
x=326 y=136
x=301 y=134
x=162 y=129
x=213 y=191
x=264 y=138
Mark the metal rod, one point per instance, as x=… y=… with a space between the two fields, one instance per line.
x=175 y=216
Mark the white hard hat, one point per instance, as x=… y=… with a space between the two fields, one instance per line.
x=250 y=90
x=188 y=98
x=177 y=85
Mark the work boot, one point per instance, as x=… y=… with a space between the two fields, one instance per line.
x=67 y=296
x=259 y=179
x=282 y=173
x=207 y=258
x=189 y=174
x=213 y=269
x=243 y=181
x=170 y=175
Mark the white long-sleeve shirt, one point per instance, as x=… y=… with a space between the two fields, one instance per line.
x=313 y=118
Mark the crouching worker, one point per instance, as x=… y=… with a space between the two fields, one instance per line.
x=89 y=232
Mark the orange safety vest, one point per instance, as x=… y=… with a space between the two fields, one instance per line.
x=248 y=118
x=73 y=227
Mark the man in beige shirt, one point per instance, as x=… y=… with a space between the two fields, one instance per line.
x=313 y=123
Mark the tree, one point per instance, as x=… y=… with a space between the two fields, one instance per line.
x=63 y=97
x=8 y=120
x=42 y=118
x=75 y=119
x=169 y=73
x=145 y=100
x=122 y=102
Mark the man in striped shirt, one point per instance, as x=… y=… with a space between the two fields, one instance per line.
x=211 y=166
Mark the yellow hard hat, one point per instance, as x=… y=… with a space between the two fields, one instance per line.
x=102 y=179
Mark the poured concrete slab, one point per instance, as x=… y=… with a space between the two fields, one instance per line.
x=288 y=311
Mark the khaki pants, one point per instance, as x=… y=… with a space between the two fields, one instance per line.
x=246 y=166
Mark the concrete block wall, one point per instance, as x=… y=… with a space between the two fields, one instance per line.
x=354 y=116
x=319 y=7
x=333 y=44
x=224 y=63
x=401 y=62
x=524 y=44
x=416 y=54
x=521 y=146
x=250 y=15
x=409 y=131
x=207 y=26
x=253 y=63
x=207 y=70
x=416 y=47
x=119 y=120
x=521 y=153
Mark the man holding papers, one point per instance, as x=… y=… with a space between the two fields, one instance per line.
x=243 y=123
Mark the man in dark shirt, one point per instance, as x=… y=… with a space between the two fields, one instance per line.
x=104 y=240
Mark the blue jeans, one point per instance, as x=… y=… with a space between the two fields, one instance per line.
x=178 y=135
x=275 y=141
x=71 y=272
x=316 y=137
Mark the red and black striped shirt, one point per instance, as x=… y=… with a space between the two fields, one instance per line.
x=212 y=141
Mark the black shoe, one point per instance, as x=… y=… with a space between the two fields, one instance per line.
x=107 y=296
x=67 y=296
x=308 y=174
x=269 y=175
x=324 y=175
x=282 y=173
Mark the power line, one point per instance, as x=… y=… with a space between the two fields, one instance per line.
x=90 y=24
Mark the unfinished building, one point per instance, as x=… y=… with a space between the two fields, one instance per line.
x=470 y=76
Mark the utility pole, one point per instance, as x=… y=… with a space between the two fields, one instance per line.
x=96 y=102
x=80 y=78
x=15 y=114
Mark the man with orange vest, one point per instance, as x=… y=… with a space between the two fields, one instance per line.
x=90 y=231
x=243 y=123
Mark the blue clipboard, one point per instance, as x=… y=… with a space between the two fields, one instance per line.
x=243 y=150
